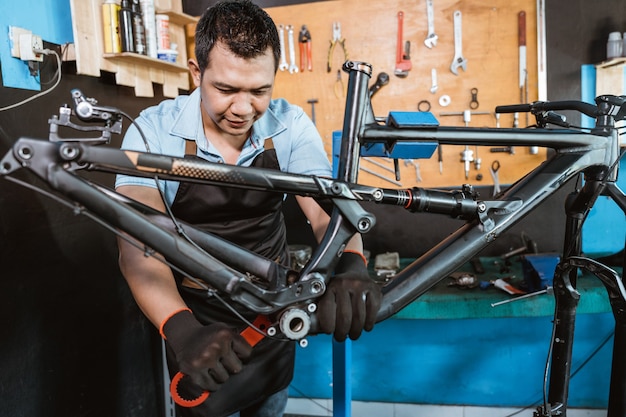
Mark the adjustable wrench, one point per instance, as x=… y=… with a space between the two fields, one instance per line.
x=458 y=60
x=293 y=67
x=403 y=58
x=283 y=59
x=431 y=38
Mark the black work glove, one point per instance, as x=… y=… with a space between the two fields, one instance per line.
x=207 y=354
x=351 y=301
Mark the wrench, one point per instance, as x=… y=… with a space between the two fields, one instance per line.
x=458 y=60
x=493 y=170
x=431 y=38
x=293 y=67
x=283 y=59
x=418 y=174
x=433 y=77
x=403 y=58
x=381 y=80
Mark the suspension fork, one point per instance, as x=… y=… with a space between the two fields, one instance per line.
x=617 y=392
x=566 y=295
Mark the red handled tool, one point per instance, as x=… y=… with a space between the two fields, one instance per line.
x=403 y=56
x=304 y=42
x=252 y=336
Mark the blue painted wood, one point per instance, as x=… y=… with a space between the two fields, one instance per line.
x=342 y=378
x=51 y=19
x=451 y=347
x=604 y=231
x=482 y=362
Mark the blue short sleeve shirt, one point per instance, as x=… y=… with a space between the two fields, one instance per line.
x=168 y=125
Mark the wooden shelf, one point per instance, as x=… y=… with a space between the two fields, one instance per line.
x=178 y=18
x=145 y=60
x=611 y=63
x=130 y=69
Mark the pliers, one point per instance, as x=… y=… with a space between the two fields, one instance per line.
x=337 y=39
x=338 y=87
x=304 y=42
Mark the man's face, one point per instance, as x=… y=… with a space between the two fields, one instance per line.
x=235 y=91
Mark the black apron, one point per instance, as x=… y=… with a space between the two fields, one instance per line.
x=254 y=220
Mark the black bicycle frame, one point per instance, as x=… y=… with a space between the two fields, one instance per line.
x=227 y=268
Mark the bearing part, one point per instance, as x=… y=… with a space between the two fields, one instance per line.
x=295 y=324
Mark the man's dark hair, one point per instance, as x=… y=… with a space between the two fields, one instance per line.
x=245 y=28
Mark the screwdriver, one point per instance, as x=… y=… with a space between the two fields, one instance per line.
x=547 y=290
x=440 y=157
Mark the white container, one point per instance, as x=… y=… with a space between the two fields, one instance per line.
x=162 y=29
x=614 y=45
x=168 y=55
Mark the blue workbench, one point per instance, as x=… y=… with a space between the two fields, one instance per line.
x=451 y=347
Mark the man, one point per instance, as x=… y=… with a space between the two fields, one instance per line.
x=230 y=118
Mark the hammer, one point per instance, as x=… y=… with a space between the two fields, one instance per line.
x=529 y=247
x=312 y=103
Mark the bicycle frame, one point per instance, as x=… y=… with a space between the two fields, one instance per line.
x=227 y=268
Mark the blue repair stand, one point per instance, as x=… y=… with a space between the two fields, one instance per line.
x=342 y=352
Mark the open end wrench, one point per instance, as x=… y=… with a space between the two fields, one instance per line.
x=283 y=58
x=403 y=57
x=458 y=61
x=433 y=77
x=381 y=80
x=293 y=67
x=416 y=165
x=431 y=38
x=493 y=170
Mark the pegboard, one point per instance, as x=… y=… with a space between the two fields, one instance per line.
x=490 y=47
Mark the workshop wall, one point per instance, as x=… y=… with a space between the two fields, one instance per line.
x=370 y=29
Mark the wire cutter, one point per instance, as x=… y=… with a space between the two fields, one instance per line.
x=304 y=42
x=337 y=39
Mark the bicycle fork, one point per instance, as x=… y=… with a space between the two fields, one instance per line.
x=566 y=302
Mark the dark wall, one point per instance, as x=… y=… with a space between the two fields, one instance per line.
x=576 y=33
x=73 y=340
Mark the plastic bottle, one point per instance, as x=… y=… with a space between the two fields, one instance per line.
x=148 y=11
x=614 y=45
x=139 y=30
x=126 y=27
x=162 y=23
x=111 y=26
